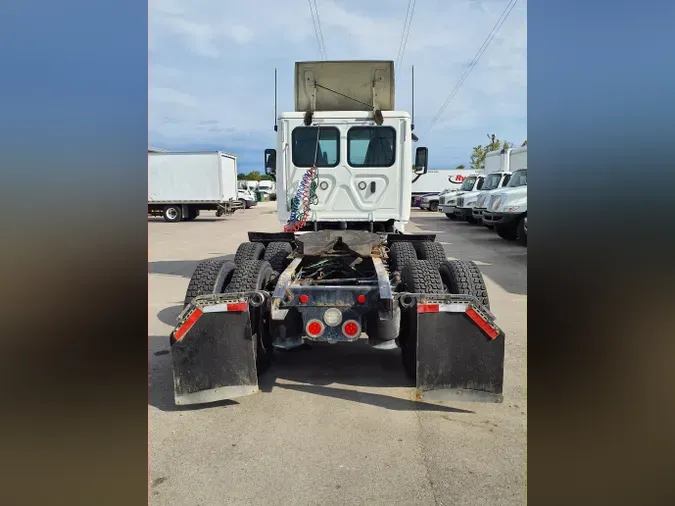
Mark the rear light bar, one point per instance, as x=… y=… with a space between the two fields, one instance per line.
x=230 y=307
x=474 y=315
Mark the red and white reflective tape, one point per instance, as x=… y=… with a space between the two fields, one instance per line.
x=184 y=327
x=230 y=307
x=455 y=307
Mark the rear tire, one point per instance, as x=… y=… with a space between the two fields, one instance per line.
x=276 y=254
x=400 y=254
x=210 y=276
x=464 y=278
x=509 y=233
x=172 y=213
x=248 y=252
x=418 y=276
x=431 y=251
x=248 y=277
x=522 y=231
x=433 y=206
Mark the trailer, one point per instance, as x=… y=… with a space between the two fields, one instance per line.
x=343 y=268
x=180 y=185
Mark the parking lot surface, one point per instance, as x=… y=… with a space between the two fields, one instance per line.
x=334 y=425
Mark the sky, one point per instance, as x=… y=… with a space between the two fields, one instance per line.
x=211 y=69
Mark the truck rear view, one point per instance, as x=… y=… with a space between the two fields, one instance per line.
x=342 y=269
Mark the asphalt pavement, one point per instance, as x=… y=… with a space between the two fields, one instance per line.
x=334 y=425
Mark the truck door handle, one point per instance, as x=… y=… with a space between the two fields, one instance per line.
x=372 y=187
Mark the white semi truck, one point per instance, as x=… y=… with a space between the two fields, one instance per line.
x=180 y=185
x=507 y=208
x=342 y=269
x=448 y=202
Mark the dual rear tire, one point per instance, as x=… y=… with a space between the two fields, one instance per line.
x=424 y=277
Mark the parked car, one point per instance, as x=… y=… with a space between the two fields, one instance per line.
x=247 y=197
x=420 y=200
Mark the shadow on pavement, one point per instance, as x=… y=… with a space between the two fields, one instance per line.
x=379 y=400
x=168 y=315
x=316 y=366
x=183 y=268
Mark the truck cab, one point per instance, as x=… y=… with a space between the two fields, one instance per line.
x=346 y=165
x=448 y=203
x=507 y=209
x=493 y=182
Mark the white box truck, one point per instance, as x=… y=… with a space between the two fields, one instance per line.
x=180 y=185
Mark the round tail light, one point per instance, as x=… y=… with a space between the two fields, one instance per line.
x=351 y=328
x=314 y=328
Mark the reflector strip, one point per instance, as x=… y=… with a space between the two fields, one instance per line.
x=485 y=326
x=230 y=307
x=180 y=332
x=441 y=308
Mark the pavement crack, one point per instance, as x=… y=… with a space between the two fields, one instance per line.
x=425 y=459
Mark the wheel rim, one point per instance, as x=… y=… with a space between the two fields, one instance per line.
x=172 y=213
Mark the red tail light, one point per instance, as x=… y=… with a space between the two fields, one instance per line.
x=314 y=328
x=304 y=299
x=351 y=328
x=361 y=299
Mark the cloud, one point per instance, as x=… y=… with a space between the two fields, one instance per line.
x=212 y=68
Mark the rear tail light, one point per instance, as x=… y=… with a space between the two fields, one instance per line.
x=351 y=328
x=361 y=299
x=314 y=328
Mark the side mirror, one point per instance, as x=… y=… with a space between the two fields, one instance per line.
x=421 y=160
x=271 y=162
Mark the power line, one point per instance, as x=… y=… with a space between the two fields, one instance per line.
x=406 y=31
x=318 y=23
x=313 y=10
x=481 y=50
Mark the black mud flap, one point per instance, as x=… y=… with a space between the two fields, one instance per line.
x=460 y=353
x=213 y=355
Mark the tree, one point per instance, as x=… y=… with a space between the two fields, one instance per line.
x=460 y=167
x=242 y=177
x=477 y=160
x=265 y=177
x=524 y=143
x=254 y=175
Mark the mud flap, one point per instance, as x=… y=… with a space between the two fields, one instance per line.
x=213 y=355
x=460 y=353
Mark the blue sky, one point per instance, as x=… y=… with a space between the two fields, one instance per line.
x=211 y=68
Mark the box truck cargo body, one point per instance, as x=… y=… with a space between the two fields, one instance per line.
x=180 y=185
